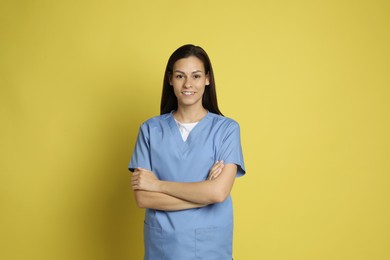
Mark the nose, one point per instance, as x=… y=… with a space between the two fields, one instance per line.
x=187 y=83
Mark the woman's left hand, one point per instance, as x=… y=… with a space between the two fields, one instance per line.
x=215 y=170
x=143 y=179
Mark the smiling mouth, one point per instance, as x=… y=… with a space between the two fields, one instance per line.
x=188 y=93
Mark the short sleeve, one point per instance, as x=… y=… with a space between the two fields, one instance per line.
x=231 y=150
x=141 y=155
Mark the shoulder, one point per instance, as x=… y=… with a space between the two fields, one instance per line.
x=156 y=121
x=224 y=121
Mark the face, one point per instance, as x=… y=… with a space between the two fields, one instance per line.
x=189 y=81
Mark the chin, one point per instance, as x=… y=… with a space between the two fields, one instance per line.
x=188 y=103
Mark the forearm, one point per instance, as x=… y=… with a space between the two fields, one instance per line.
x=195 y=192
x=204 y=192
x=161 y=201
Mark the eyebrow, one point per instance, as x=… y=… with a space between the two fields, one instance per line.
x=196 y=71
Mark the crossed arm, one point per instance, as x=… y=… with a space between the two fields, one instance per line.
x=165 y=195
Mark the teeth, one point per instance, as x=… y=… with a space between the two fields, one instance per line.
x=187 y=93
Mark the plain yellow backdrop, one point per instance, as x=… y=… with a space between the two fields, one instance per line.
x=308 y=81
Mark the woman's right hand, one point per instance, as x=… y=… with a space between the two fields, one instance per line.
x=215 y=170
x=143 y=179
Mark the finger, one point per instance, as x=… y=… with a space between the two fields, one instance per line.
x=218 y=162
x=211 y=174
x=134 y=185
x=217 y=173
x=215 y=166
x=212 y=177
x=214 y=174
x=140 y=170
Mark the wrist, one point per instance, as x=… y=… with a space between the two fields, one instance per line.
x=159 y=186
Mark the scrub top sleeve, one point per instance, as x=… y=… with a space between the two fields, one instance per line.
x=231 y=150
x=141 y=154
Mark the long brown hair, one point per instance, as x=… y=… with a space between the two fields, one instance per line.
x=168 y=98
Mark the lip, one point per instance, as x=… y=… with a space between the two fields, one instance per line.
x=188 y=93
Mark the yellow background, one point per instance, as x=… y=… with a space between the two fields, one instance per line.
x=308 y=81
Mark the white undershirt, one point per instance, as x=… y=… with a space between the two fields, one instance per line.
x=185 y=129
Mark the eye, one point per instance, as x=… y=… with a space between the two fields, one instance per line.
x=179 y=76
x=197 y=76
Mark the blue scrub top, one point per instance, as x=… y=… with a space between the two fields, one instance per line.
x=200 y=233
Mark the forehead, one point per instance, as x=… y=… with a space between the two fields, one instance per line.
x=188 y=64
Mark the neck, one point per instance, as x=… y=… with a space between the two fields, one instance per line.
x=189 y=115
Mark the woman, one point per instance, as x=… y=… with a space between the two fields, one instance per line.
x=184 y=165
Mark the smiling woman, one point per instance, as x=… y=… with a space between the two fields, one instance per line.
x=189 y=80
x=184 y=165
x=189 y=53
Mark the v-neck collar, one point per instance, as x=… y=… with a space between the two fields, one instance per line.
x=185 y=145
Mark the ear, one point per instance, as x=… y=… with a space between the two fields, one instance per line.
x=207 y=79
x=170 y=79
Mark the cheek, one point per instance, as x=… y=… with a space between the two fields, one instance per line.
x=201 y=91
x=176 y=90
x=201 y=87
x=177 y=84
